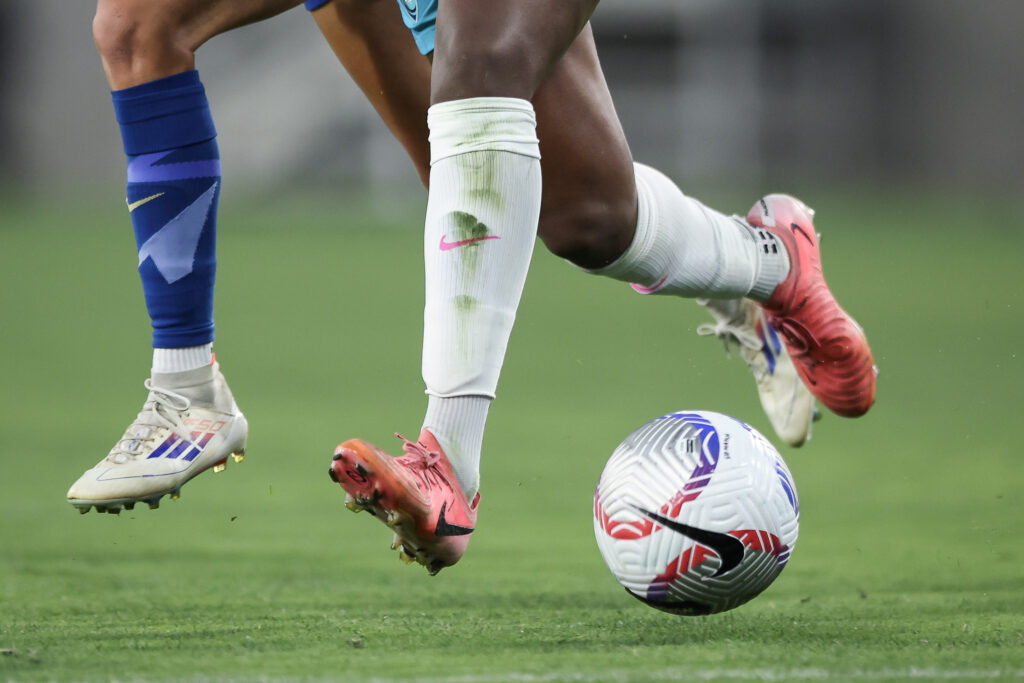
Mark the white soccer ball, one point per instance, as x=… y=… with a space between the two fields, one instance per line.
x=696 y=513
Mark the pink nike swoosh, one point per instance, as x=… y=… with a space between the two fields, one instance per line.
x=445 y=245
x=648 y=290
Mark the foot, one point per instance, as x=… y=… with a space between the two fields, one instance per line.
x=784 y=397
x=828 y=347
x=188 y=424
x=417 y=495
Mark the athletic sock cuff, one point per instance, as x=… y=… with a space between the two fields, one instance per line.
x=773 y=263
x=482 y=124
x=163 y=114
x=648 y=256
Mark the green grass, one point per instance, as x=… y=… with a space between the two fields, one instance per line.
x=909 y=564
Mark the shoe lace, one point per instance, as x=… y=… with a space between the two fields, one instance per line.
x=162 y=410
x=728 y=331
x=419 y=454
x=736 y=330
x=423 y=461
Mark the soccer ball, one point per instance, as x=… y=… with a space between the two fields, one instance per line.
x=696 y=513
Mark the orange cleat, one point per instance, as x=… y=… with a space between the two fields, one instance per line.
x=416 y=495
x=828 y=347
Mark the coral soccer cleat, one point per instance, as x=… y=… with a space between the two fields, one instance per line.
x=828 y=347
x=417 y=495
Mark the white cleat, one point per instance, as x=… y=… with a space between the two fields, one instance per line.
x=189 y=424
x=784 y=396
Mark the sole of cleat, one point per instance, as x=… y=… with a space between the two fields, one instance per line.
x=114 y=506
x=352 y=504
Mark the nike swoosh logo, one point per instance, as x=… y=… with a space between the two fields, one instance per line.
x=443 y=528
x=730 y=550
x=447 y=246
x=652 y=288
x=145 y=200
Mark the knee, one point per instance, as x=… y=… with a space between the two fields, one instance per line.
x=591 y=234
x=138 y=41
x=468 y=67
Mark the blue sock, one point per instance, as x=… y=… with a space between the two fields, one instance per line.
x=173 y=186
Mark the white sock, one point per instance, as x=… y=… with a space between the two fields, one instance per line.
x=481 y=225
x=166 y=361
x=682 y=247
x=458 y=424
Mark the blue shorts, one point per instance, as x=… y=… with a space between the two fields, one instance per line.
x=419 y=16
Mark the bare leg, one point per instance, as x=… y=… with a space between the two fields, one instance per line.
x=141 y=41
x=588 y=208
x=378 y=51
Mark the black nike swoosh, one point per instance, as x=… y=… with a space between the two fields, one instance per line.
x=443 y=528
x=730 y=550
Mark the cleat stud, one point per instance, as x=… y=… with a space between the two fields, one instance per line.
x=175 y=495
x=239 y=456
x=351 y=503
x=396 y=542
x=113 y=510
x=154 y=503
x=393 y=518
x=332 y=475
x=405 y=557
x=129 y=506
x=83 y=511
x=220 y=466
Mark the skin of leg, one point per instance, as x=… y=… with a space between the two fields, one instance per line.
x=501 y=49
x=140 y=40
x=588 y=206
x=380 y=55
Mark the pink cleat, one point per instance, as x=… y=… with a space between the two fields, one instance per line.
x=828 y=347
x=417 y=495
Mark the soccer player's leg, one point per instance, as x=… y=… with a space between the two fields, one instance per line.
x=481 y=223
x=600 y=209
x=189 y=421
x=417 y=495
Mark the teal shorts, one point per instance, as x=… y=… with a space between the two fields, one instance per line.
x=419 y=17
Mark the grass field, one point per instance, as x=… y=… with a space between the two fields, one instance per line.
x=910 y=563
